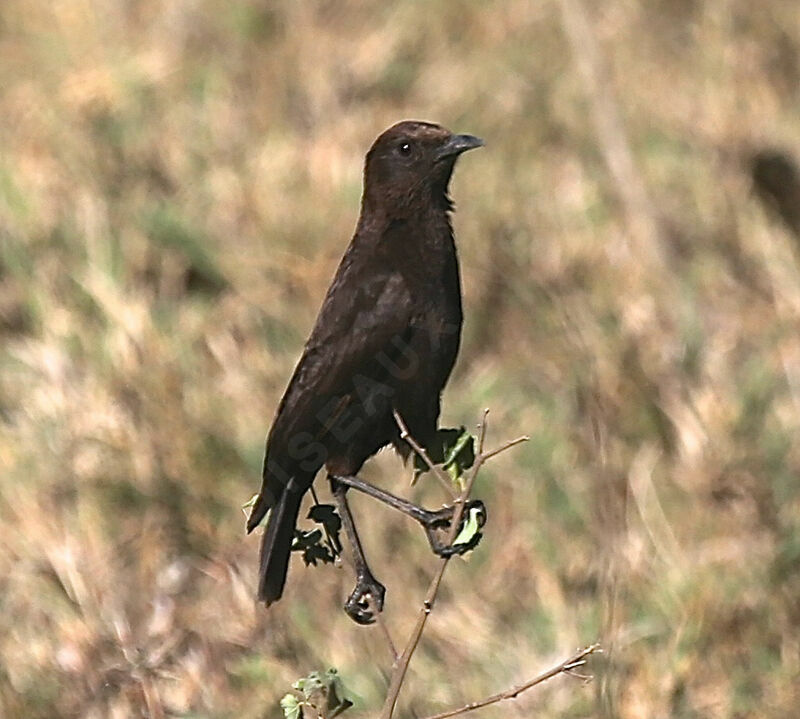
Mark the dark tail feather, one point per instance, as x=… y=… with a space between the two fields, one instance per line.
x=277 y=546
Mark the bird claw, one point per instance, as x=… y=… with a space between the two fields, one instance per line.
x=367 y=595
x=440 y=521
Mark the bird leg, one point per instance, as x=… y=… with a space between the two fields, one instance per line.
x=434 y=523
x=368 y=590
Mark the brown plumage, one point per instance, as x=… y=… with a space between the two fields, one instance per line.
x=386 y=336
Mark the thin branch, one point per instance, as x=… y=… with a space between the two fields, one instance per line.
x=438 y=472
x=482 y=433
x=401 y=665
x=506 y=445
x=566 y=667
x=462 y=500
x=384 y=629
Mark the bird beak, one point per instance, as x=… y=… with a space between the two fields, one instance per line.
x=458 y=144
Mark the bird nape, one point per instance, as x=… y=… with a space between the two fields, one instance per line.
x=385 y=340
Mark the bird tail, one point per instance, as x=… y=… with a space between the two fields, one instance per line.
x=276 y=545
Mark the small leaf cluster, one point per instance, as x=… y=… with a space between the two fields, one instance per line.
x=320 y=695
x=321 y=544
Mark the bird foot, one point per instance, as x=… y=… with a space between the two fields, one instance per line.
x=438 y=523
x=366 y=599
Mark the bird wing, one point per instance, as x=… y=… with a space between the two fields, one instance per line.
x=367 y=312
x=365 y=319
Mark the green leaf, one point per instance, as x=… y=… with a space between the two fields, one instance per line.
x=471 y=527
x=324 y=692
x=460 y=456
x=309 y=684
x=454 y=449
x=452 y=453
x=292 y=708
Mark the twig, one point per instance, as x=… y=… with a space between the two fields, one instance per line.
x=566 y=667
x=401 y=665
x=384 y=629
x=482 y=433
x=438 y=472
x=507 y=445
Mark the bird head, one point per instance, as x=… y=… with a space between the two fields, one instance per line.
x=411 y=163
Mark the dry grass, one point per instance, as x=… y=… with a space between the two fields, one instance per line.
x=177 y=181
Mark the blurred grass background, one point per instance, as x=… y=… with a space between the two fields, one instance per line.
x=177 y=183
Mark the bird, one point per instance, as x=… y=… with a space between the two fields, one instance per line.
x=384 y=342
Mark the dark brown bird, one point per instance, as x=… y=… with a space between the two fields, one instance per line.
x=385 y=339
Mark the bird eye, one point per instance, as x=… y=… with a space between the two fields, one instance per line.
x=404 y=148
